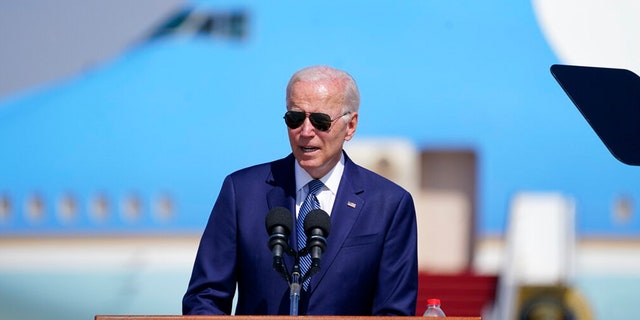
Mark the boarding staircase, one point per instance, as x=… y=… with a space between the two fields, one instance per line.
x=461 y=295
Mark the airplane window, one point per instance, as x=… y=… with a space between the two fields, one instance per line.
x=5 y=208
x=67 y=208
x=35 y=208
x=132 y=208
x=623 y=209
x=164 y=208
x=100 y=208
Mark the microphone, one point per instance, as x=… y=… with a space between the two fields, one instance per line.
x=317 y=225
x=279 y=224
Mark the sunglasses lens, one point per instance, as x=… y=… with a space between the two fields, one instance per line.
x=320 y=121
x=294 y=119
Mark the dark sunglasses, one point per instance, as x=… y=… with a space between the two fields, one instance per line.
x=320 y=121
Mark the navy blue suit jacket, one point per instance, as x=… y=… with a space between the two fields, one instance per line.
x=369 y=266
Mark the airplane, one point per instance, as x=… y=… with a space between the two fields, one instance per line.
x=107 y=179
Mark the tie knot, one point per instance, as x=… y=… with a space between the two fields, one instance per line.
x=314 y=186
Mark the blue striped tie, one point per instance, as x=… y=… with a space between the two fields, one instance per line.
x=310 y=203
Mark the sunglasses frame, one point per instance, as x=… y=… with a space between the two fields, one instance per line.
x=320 y=121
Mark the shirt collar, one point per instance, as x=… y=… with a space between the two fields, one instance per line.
x=331 y=180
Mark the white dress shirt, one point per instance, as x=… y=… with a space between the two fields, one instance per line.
x=327 y=194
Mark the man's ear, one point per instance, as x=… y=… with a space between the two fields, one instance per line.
x=351 y=126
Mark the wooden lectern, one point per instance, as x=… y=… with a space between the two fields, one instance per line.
x=169 y=317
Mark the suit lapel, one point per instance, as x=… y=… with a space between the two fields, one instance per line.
x=283 y=184
x=283 y=189
x=345 y=212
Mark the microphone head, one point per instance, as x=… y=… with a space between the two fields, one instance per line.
x=317 y=218
x=279 y=216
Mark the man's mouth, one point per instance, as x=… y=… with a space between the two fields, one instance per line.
x=308 y=149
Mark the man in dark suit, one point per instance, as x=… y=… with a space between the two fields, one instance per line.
x=370 y=263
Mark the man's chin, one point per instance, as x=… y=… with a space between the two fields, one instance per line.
x=309 y=165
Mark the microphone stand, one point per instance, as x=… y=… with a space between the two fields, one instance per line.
x=296 y=279
x=294 y=287
x=293 y=280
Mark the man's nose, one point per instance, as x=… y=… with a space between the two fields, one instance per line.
x=307 y=127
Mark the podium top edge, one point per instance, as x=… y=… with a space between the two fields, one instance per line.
x=271 y=317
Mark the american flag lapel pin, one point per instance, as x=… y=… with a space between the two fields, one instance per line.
x=351 y=204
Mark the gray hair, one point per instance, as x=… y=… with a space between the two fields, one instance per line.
x=321 y=73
